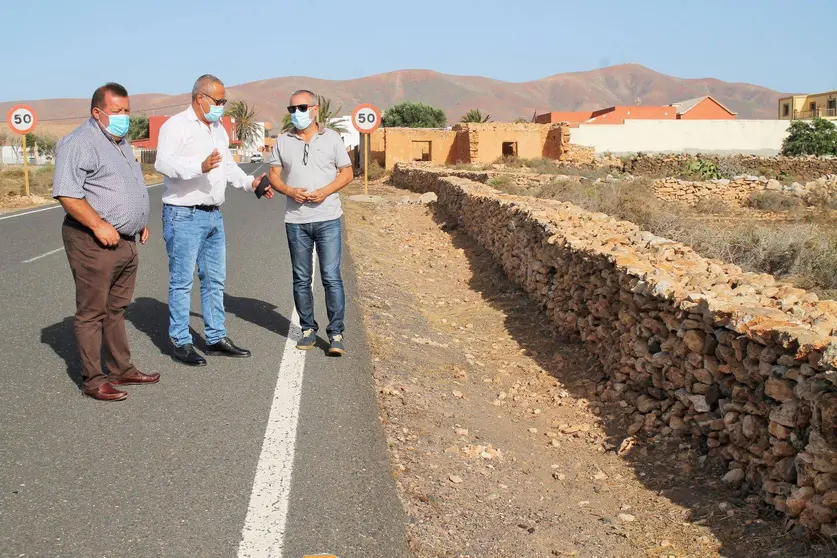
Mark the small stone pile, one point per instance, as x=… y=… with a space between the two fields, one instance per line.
x=738 y=363
x=737 y=191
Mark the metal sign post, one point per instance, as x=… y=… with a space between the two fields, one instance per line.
x=22 y=120
x=366 y=119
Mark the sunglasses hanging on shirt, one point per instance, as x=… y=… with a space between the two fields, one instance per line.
x=305 y=155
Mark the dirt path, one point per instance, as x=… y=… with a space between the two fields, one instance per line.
x=498 y=443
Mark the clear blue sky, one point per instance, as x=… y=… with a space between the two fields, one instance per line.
x=65 y=48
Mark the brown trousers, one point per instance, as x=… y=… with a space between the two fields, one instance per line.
x=105 y=280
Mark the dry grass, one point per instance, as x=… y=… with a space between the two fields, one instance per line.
x=803 y=250
x=40 y=180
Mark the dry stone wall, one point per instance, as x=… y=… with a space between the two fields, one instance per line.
x=737 y=191
x=803 y=168
x=737 y=362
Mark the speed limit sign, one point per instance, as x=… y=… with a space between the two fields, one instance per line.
x=22 y=119
x=366 y=118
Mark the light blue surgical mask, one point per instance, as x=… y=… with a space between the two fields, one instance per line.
x=118 y=124
x=301 y=120
x=215 y=113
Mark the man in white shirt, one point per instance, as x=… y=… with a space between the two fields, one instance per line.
x=193 y=154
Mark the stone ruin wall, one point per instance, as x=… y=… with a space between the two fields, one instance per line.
x=737 y=191
x=738 y=363
x=803 y=168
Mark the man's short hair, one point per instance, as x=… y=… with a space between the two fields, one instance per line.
x=98 y=100
x=307 y=92
x=203 y=81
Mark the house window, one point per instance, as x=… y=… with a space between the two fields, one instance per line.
x=509 y=149
x=832 y=107
x=421 y=151
x=813 y=107
x=785 y=109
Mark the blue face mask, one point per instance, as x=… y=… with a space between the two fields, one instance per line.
x=118 y=124
x=215 y=113
x=301 y=120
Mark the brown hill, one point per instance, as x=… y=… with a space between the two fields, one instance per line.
x=626 y=84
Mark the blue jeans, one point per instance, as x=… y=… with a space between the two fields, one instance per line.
x=326 y=236
x=194 y=237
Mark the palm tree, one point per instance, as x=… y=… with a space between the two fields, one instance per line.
x=324 y=115
x=475 y=116
x=246 y=127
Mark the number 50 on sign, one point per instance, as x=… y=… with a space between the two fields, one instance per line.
x=22 y=119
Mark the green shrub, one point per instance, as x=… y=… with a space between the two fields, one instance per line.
x=499 y=181
x=811 y=137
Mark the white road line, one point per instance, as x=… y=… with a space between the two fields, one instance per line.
x=56 y=206
x=29 y=212
x=51 y=252
x=263 y=534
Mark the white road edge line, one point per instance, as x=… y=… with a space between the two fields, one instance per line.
x=263 y=535
x=51 y=252
x=56 y=206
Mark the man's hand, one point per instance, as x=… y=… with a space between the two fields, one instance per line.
x=211 y=162
x=144 y=235
x=317 y=196
x=106 y=234
x=268 y=193
x=299 y=195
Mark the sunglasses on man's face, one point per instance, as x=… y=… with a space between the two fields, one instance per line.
x=218 y=102
x=301 y=108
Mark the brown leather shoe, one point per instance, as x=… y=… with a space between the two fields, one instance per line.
x=135 y=378
x=105 y=392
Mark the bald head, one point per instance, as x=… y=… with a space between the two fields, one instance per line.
x=206 y=84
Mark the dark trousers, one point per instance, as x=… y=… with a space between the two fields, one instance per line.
x=105 y=280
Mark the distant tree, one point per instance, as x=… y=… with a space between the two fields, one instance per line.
x=45 y=143
x=521 y=120
x=324 y=117
x=475 y=116
x=138 y=129
x=811 y=137
x=246 y=126
x=414 y=115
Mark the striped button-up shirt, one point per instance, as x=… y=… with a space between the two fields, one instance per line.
x=90 y=165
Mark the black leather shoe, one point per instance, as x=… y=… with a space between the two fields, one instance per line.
x=188 y=356
x=225 y=347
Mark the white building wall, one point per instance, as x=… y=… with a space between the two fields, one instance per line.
x=754 y=137
x=351 y=137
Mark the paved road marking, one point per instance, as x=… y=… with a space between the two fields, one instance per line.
x=51 y=252
x=29 y=212
x=56 y=206
x=263 y=534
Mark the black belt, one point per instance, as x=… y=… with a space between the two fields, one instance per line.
x=72 y=222
x=199 y=207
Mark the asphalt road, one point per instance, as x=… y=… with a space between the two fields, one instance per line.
x=169 y=471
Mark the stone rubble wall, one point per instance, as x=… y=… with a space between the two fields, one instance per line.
x=737 y=192
x=739 y=363
x=803 y=168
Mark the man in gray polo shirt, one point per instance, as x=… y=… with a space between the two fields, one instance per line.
x=309 y=166
x=101 y=187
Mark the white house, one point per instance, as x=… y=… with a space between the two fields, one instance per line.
x=351 y=137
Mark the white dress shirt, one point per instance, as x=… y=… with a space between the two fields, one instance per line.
x=185 y=142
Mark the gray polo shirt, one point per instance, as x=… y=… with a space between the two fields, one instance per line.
x=90 y=165
x=326 y=154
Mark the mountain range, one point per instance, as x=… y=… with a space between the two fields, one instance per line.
x=626 y=84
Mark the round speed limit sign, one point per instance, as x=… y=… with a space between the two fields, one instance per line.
x=22 y=119
x=366 y=119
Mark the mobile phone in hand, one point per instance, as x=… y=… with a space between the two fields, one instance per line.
x=262 y=187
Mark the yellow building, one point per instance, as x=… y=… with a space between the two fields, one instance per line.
x=802 y=107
